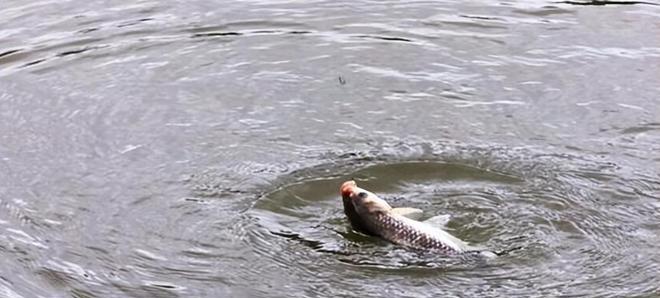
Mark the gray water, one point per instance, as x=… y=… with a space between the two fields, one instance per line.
x=195 y=148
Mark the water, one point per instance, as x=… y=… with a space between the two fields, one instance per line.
x=195 y=148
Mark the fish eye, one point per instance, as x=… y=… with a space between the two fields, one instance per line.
x=362 y=195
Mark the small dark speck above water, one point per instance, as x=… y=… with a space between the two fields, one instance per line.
x=195 y=149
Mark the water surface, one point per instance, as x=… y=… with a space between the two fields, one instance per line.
x=195 y=148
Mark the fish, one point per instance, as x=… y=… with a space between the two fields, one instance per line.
x=373 y=216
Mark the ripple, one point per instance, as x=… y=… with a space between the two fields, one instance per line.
x=543 y=209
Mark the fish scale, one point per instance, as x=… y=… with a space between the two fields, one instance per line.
x=397 y=230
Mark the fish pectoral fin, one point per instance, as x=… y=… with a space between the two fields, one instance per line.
x=439 y=221
x=412 y=213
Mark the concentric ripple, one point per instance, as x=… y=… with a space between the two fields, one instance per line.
x=544 y=212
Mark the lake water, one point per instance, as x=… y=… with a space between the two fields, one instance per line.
x=195 y=148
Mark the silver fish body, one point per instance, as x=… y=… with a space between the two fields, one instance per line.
x=372 y=215
x=404 y=231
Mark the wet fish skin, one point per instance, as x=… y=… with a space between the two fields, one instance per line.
x=372 y=215
x=404 y=231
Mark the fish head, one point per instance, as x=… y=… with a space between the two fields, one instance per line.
x=357 y=222
x=357 y=209
x=363 y=202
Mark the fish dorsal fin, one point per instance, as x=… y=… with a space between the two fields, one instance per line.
x=412 y=213
x=439 y=221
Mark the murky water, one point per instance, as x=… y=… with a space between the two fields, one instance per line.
x=195 y=148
